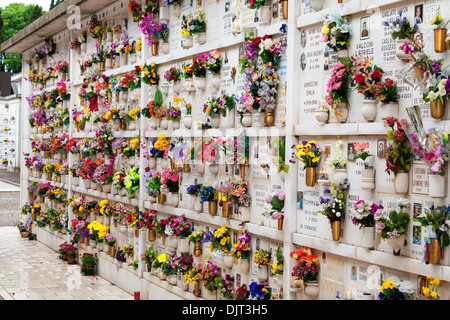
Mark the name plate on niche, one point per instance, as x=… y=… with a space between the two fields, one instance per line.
x=420 y=178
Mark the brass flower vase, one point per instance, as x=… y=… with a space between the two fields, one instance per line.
x=336 y=230
x=212 y=207
x=102 y=66
x=197 y=249
x=437 y=109
x=440 y=35
x=242 y=170
x=310 y=176
x=186 y=168
x=434 y=251
x=151 y=235
x=112 y=251
x=161 y=198
x=81 y=126
x=269 y=117
x=197 y=291
x=284 y=8
x=226 y=209
x=123 y=124
x=280 y=222
x=154 y=49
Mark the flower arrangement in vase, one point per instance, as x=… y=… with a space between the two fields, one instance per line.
x=199 y=72
x=398 y=155
x=242 y=249
x=368 y=173
x=436 y=220
x=440 y=33
x=226 y=287
x=149 y=256
x=262 y=259
x=210 y=276
x=338 y=91
x=333 y=202
x=274 y=205
x=277 y=266
x=336 y=33
x=278 y=155
x=393 y=226
x=396 y=289
x=259 y=291
x=403 y=32
x=219 y=239
x=364 y=218
x=149 y=73
x=309 y=153
x=430 y=290
x=306 y=269
x=196 y=238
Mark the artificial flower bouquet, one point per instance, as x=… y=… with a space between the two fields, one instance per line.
x=262 y=257
x=255 y=4
x=337 y=158
x=242 y=249
x=366 y=75
x=132 y=180
x=182 y=262
x=338 y=86
x=398 y=156
x=362 y=153
x=207 y=194
x=306 y=264
x=402 y=28
x=173 y=74
x=436 y=219
x=277 y=154
x=308 y=152
x=364 y=213
x=210 y=276
x=393 y=226
x=212 y=107
x=213 y=61
x=259 y=291
x=219 y=240
x=430 y=290
x=149 y=73
x=275 y=204
x=333 y=201
x=226 y=286
x=277 y=266
x=396 y=289
x=336 y=32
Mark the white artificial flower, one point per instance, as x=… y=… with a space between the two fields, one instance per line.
x=407 y=287
x=338 y=214
x=432 y=95
x=403 y=202
x=396 y=281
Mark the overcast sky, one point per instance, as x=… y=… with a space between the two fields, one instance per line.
x=45 y=4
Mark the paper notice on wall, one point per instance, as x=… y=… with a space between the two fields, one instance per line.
x=420 y=173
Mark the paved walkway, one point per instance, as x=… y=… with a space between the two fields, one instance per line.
x=29 y=270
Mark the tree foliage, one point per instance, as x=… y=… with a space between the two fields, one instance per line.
x=14 y=18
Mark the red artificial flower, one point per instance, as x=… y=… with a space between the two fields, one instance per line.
x=400 y=135
x=389 y=121
x=377 y=74
x=359 y=78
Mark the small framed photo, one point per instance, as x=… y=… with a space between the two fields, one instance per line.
x=417 y=209
x=381 y=148
x=421 y=282
x=275 y=10
x=351 y=151
x=365 y=31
